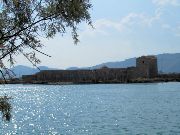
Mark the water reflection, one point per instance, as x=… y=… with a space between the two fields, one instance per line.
x=5 y=108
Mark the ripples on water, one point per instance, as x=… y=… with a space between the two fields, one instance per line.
x=93 y=109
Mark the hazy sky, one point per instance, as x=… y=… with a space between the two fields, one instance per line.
x=123 y=29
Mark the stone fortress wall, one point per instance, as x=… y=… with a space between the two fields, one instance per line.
x=146 y=67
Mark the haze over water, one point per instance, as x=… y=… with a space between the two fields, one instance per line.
x=109 y=109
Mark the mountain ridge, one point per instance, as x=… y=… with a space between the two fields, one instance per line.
x=20 y=70
x=167 y=63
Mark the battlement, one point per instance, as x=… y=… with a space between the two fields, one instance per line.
x=146 y=67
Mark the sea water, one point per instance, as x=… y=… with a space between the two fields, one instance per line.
x=102 y=109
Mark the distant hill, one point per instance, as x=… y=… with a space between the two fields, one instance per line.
x=25 y=70
x=167 y=63
x=72 y=68
x=119 y=64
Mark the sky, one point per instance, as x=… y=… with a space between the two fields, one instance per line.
x=122 y=29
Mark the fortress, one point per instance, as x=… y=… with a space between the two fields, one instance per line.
x=146 y=67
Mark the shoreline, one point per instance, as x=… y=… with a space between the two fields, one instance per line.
x=140 y=80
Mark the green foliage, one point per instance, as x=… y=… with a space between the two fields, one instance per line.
x=23 y=21
x=5 y=108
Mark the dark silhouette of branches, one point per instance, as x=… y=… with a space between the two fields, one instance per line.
x=22 y=22
x=5 y=107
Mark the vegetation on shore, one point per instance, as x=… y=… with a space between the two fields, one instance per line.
x=23 y=22
x=5 y=107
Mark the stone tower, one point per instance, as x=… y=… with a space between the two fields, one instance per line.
x=147 y=66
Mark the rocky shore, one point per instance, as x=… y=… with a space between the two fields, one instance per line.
x=139 y=80
x=160 y=78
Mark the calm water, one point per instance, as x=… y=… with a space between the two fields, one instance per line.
x=93 y=109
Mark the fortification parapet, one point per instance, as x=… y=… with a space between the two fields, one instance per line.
x=147 y=66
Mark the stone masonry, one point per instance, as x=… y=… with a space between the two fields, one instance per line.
x=146 y=67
